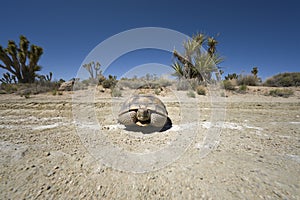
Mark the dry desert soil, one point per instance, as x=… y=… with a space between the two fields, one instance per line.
x=70 y=146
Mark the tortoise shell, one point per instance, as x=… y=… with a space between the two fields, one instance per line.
x=150 y=102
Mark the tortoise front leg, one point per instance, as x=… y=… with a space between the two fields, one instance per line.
x=158 y=120
x=128 y=118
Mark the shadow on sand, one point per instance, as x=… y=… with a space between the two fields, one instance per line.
x=150 y=129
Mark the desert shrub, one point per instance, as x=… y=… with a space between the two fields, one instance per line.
x=284 y=80
x=144 y=83
x=242 y=88
x=79 y=85
x=247 y=80
x=162 y=82
x=34 y=88
x=129 y=83
x=54 y=92
x=227 y=85
x=157 y=91
x=187 y=84
x=106 y=84
x=270 y=82
x=223 y=94
x=8 y=88
x=191 y=94
x=281 y=93
x=25 y=93
x=91 y=81
x=116 y=92
x=201 y=90
x=183 y=84
x=110 y=82
x=101 y=78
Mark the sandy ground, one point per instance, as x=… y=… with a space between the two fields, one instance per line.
x=56 y=147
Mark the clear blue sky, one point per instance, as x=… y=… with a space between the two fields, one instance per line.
x=252 y=33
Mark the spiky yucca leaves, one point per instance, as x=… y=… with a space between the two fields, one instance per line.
x=211 y=42
x=206 y=65
x=195 y=63
x=178 y=69
x=22 y=62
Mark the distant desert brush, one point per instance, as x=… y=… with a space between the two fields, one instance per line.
x=281 y=93
x=201 y=90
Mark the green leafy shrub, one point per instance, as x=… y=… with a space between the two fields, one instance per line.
x=227 y=85
x=284 y=80
x=281 y=93
x=201 y=90
x=243 y=88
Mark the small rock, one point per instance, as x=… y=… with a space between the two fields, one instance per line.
x=51 y=173
x=66 y=86
x=56 y=167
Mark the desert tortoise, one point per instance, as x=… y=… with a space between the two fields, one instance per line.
x=143 y=110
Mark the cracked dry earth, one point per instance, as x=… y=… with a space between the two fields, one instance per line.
x=43 y=156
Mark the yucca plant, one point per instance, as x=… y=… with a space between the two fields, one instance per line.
x=21 y=61
x=196 y=63
x=211 y=42
x=178 y=69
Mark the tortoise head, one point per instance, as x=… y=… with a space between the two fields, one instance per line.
x=143 y=114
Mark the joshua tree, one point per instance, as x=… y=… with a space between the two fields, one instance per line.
x=211 y=42
x=47 y=78
x=21 y=61
x=231 y=76
x=93 y=69
x=8 y=79
x=196 y=64
x=254 y=71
